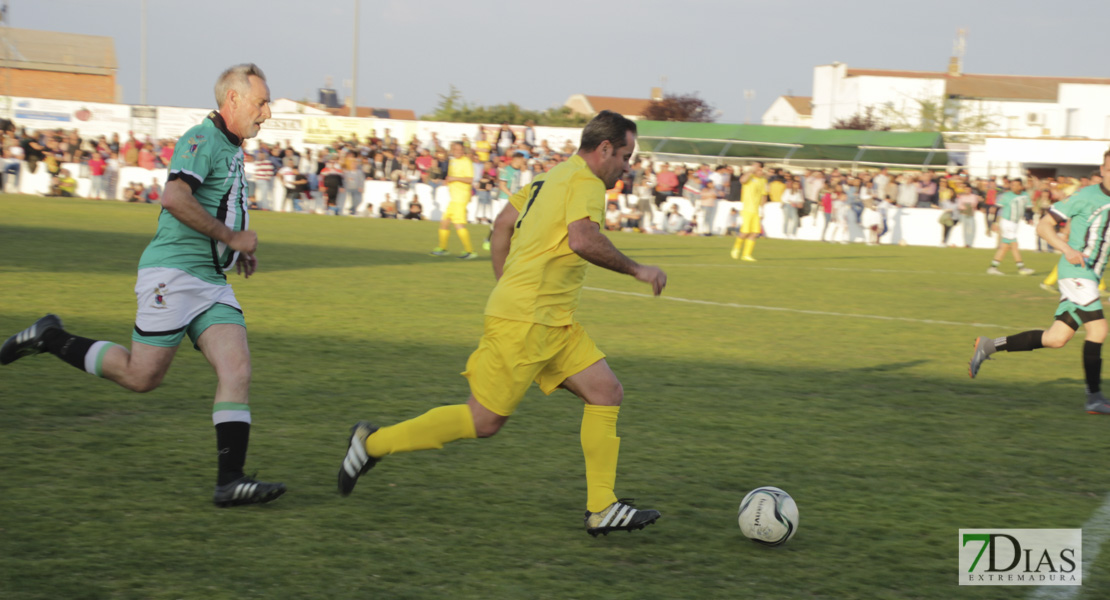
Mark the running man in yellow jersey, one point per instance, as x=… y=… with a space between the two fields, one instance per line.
x=543 y=241
x=460 y=182
x=753 y=195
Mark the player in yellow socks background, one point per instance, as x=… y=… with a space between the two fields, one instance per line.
x=753 y=194
x=460 y=182
x=541 y=245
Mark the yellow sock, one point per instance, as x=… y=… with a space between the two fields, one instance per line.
x=464 y=237
x=739 y=242
x=600 y=446
x=444 y=235
x=1051 y=279
x=749 y=245
x=430 y=430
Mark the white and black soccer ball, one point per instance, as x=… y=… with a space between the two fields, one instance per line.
x=768 y=516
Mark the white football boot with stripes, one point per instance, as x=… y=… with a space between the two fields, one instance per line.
x=357 y=461
x=246 y=490
x=29 y=341
x=620 y=516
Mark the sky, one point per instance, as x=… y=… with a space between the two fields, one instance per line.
x=538 y=54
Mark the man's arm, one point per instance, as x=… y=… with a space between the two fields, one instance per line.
x=181 y=203
x=501 y=237
x=586 y=240
x=1046 y=228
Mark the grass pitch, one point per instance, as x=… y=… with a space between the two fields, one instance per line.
x=837 y=373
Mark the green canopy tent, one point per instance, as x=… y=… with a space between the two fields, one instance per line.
x=724 y=144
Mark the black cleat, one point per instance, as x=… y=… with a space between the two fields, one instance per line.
x=246 y=490
x=357 y=461
x=620 y=516
x=29 y=341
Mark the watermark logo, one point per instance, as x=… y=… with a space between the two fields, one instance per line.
x=1021 y=557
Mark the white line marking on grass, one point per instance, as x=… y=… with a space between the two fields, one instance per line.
x=1096 y=532
x=801 y=311
x=797 y=268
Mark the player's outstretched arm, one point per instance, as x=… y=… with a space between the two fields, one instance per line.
x=178 y=199
x=586 y=240
x=1046 y=228
x=501 y=238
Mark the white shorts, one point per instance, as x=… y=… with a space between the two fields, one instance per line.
x=1008 y=230
x=1079 y=291
x=170 y=299
x=870 y=218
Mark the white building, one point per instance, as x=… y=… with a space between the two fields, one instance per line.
x=791 y=111
x=1016 y=106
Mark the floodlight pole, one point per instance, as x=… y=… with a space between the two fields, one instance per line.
x=7 y=60
x=142 y=57
x=354 y=67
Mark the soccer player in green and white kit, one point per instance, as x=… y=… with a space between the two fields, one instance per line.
x=1084 y=259
x=181 y=286
x=1011 y=210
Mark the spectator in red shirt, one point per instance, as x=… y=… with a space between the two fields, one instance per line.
x=424 y=162
x=146 y=157
x=97 y=164
x=666 y=184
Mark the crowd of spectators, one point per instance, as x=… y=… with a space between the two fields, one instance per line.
x=832 y=198
x=331 y=178
x=100 y=159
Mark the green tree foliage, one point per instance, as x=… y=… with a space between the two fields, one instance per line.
x=452 y=108
x=865 y=121
x=940 y=114
x=672 y=107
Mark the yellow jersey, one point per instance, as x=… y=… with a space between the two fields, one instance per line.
x=542 y=279
x=775 y=190
x=752 y=193
x=461 y=191
x=482 y=147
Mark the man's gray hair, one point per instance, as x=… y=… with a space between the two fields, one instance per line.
x=237 y=77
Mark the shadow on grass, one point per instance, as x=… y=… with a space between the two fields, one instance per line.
x=53 y=250
x=697 y=432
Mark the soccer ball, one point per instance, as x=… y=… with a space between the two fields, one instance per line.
x=768 y=516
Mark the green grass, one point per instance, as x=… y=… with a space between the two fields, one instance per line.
x=872 y=425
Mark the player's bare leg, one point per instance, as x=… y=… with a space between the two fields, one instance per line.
x=602 y=392
x=224 y=345
x=141 y=369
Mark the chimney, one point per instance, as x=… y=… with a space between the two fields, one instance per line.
x=656 y=93
x=954 y=67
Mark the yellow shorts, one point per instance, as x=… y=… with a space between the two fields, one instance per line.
x=513 y=354
x=750 y=223
x=456 y=212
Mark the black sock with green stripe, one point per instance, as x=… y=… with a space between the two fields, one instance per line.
x=1092 y=366
x=83 y=353
x=233 y=434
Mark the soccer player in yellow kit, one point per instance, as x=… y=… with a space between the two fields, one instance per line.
x=543 y=240
x=753 y=195
x=460 y=182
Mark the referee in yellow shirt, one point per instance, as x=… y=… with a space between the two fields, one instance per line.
x=541 y=245
x=752 y=195
x=460 y=182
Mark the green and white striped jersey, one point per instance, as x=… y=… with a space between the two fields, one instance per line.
x=208 y=158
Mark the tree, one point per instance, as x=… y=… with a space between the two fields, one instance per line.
x=940 y=114
x=452 y=108
x=688 y=108
x=866 y=121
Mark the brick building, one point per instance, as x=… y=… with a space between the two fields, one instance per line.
x=60 y=66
